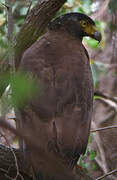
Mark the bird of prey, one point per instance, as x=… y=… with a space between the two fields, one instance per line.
x=58 y=116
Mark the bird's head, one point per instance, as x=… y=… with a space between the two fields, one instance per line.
x=77 y=24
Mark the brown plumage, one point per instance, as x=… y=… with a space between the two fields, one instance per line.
x=58 y=117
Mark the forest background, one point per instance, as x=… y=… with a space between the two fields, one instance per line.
x=101 y=154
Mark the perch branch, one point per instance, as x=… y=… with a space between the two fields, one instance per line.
x=107 y=97
x=107 y=174
x=104 y=128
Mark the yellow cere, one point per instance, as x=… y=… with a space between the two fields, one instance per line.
x=88 y=28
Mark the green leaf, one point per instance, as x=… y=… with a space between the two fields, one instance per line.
x=91 y=42
x=90 y=138
x=23 y=88
x=92 y=154
x=94 y=70
x=82 y=164
x=96 y=97
x=94 y=167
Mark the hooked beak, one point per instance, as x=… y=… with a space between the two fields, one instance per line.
x=97 y=36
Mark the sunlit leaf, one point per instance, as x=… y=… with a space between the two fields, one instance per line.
x=91 y=42
x=96 y=97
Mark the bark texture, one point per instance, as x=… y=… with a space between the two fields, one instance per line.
x=35 y=24
x=33 y=27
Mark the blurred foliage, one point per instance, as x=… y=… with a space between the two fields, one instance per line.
x=97 y=67
x=19 y=9
x=113 y=6
x=23 y=88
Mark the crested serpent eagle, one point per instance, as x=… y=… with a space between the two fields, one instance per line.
x=58 y=116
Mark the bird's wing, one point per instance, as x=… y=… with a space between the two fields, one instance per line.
x=61 y=110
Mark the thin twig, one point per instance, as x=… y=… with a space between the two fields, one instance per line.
x=16 y=163
x=104 y=128
x=109 y=102
x=107 y=174
x=100 y=149
x=105 y=96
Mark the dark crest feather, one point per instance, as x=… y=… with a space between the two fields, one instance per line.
x=59 y=21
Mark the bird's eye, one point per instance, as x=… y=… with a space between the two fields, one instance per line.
x=83 y=23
